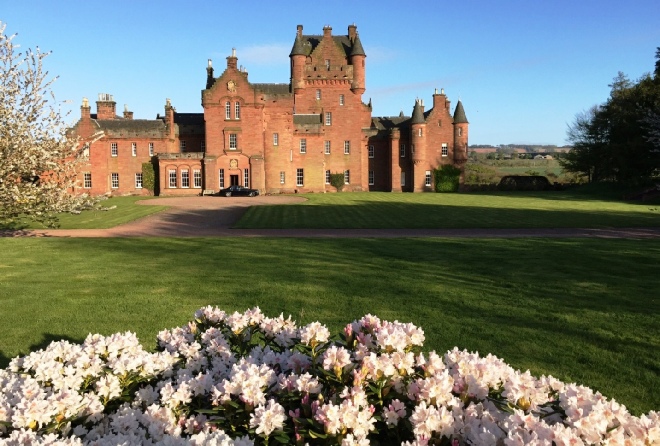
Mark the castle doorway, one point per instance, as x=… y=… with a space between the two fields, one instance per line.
x=234 y=180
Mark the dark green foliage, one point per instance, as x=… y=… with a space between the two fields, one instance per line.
x=524 y=182
x=149 y=177
x=447 y=178
x=337 y=181
x=614 y=141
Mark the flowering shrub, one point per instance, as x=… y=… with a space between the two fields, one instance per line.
x=247 y=379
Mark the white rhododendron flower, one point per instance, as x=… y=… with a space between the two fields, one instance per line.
x=242 y=378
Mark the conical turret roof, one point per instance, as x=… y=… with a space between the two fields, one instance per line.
x=357 y=49
x=418 y=114
x=459 y=114
x=298 y=48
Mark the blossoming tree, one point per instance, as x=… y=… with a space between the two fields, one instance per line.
x=37 y=161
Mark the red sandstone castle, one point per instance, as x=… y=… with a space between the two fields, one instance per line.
x=278 y=138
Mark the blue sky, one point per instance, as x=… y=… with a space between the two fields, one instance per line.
x=522 y=69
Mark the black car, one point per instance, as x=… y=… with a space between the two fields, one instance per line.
x=238 y=191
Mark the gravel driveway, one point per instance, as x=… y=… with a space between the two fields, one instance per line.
x=214 y=217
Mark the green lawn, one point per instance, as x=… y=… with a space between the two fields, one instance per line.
x=114 y=211
x=565 y=209
x=583 y=310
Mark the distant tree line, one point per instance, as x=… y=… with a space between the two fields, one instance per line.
x=620 y=139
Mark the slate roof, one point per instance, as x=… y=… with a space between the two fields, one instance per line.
x=272 y=88
x=306 y=44
x=459 y=114
x=388 y=122
x=418 y=114
x=189 y=118
x=132 y=127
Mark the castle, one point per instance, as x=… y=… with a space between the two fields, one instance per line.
x=278 y=138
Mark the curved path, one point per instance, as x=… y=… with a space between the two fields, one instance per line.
x=214 y=216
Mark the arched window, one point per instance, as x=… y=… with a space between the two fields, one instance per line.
x=237 y=111
x=227 y=110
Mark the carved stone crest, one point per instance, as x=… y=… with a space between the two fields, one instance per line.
x=233 y=164
x=231 y=86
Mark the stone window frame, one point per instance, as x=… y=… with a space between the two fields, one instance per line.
x=327 y=177
x=347 y=147
x=371 y=178
x=276 y=139
x=326 y=147
x=151 y=149
x=138 y=180
x=246 y=177
x=233 y=141
x=341 y=99
x=185 y=179
x=347 y=176
x=197 y=179
x=221 y=178
x=427 y=178
x=445 y=149
x=303 y=145
x=114 y=149
x=114 y=180
x=237 y=110
x=328 y=118
x=227 y=110
x=171 y=175
x=372 y=151
x=134 y=148
x=282 y=177
x=87 y=180
x=300 y=177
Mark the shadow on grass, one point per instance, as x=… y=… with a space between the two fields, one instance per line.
x=47 y=339
x=368 y=214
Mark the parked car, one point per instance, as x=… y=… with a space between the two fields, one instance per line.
x=238 y=191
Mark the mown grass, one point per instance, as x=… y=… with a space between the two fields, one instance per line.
x=583 y=310
x=557 y=209
x=112 y=212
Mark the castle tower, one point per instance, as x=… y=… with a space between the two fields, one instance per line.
x=357 y=59
x=460 y=134
x=105 y=107
x=298 y=56
x=418 y=146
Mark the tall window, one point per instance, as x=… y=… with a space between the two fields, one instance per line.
x=303 y=145
x=371 y=151
x=227 y=110
x=232 y=141
x=276 y=139
x=300 y=177
x=420 y=132
x=185 y=178
x=371 y=178
x=221 y=177
x=151 y=149
x=402 y=150
x=403 y=178
x=172 y=176
x=327 y=64
x=246 y=178
x=318 y=95
x=460 y=131
x=237 y=111
x=197 y=179
x=427 y=178
x=347 y=177
x=445 y=149
x=341 y=99
x=113 y=149
x=114 y=179
x=138 y=180
x=347 y=147
x=182 y=145
x=87 y=180
x=327 y=177
x=134 y=149
x=282 y=177
x=326 y=145
x=328 y=118
x=202 y=146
